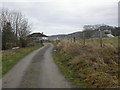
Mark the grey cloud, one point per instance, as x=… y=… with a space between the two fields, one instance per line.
x=53 y=18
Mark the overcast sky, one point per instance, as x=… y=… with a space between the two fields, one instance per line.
x=65 y=16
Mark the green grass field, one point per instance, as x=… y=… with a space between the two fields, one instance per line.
x=89 y=66
x=11 y=57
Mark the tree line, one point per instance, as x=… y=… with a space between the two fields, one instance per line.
x=14 y=27
x=94 y=31
x=89 y=29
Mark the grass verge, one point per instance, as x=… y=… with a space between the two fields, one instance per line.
x=66 y=70
x=11 y=57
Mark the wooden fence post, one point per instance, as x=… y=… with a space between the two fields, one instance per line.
x=74 y=39
x=84 y=38
x=101 y=42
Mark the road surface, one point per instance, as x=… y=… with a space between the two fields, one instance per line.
x=36 y=70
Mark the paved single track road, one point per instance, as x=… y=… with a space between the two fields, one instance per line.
x=36 y=70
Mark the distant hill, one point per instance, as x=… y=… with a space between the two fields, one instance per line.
x=57 y=36
x=75 y=34
x=88 y=34
x=71 y=35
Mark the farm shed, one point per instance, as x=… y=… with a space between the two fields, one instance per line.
x=37 y=37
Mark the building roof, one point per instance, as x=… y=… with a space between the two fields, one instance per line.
x=37 y=35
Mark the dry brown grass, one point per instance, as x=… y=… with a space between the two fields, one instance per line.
x=98 y=67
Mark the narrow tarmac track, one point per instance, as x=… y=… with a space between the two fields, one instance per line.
x=36 y=70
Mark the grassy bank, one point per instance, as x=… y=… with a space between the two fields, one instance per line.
x=11 y=57
x=66 y=70
x=90 y=65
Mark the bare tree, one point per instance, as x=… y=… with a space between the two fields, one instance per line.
x=23 y=31
x=18 y=23
x=89 y=31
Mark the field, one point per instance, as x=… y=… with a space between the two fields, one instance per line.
x=89 y=65
x=11 y=57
